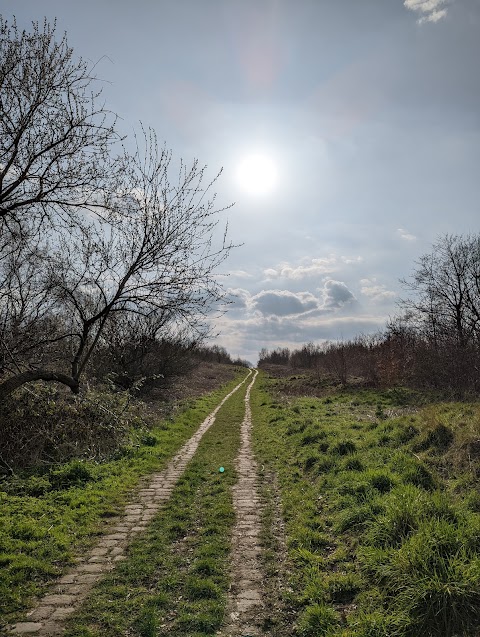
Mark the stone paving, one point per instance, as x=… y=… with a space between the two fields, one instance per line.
x=245 y=603
x=46 y=619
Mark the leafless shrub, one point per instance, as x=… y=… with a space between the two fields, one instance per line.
x=51 y=427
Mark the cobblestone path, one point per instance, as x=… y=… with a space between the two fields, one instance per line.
x=245 y=605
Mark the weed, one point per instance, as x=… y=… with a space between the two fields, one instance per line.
x=342 y=587
x=296 y=427
x=413 y=471
x=353 y=464
x=147 y=624
x=311 y=461
x=380 y=480
x=206 y=566
x=344 y=447
x=353 y=518
x=311 y=437
x=197 y=588
x=317 y=621
x=149 y=440
x=74 y=473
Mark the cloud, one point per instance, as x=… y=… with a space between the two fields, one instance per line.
x=238 y=297
x=283 y=302
x=241 y=274
x=430 y=10
x=310 y=268
x=350 y=260
x=336 y=294
x=279 y=303
x=316 y=267
x=376 y=291
x=406 y=236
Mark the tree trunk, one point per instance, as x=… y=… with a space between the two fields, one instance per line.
x=13 y=383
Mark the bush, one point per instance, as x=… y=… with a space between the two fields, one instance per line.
x=75 y=473
x=51 y=427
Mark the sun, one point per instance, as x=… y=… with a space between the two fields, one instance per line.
x=257 y=174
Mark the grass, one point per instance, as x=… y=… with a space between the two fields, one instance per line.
x=175 y=577
x=48 y=519
x=379 y=492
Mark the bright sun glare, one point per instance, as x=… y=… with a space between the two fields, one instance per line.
x=257 y=174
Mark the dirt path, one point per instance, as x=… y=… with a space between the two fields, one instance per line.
x=245 y=605
x=47 y=618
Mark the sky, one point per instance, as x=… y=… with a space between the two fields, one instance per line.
x=348 y=132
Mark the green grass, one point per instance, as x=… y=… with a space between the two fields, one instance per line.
x=380 y=498
x=46 y=520
x=175 y=577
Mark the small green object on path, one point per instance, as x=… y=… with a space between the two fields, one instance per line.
x=221 y=470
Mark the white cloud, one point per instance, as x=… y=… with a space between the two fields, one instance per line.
x=241 y=274
x=376 y=291
x=434 y=16
x=316 y=267
x=350 y=260
x=430 y=10
x=406 y=236
x=310 y=268
x=236 y=274
x=270 y=273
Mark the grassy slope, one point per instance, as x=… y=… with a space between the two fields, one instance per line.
x=381 y=506
x=175 y=578
x=42 y=529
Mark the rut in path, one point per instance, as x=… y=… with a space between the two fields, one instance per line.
x=245 y=605
x=47 y=618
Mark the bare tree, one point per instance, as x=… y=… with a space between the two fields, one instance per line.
x=443 y=316
x=155 y=252
x=29 y=322
x=143 y=351
x=446 y=290
x=336 y=360
x=55 y=133
x=278 y=356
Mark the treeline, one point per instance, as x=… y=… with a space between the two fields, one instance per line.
x=147 y=361
x=433 y=343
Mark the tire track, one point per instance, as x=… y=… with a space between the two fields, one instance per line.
x=245 y=605
x=47 y=618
